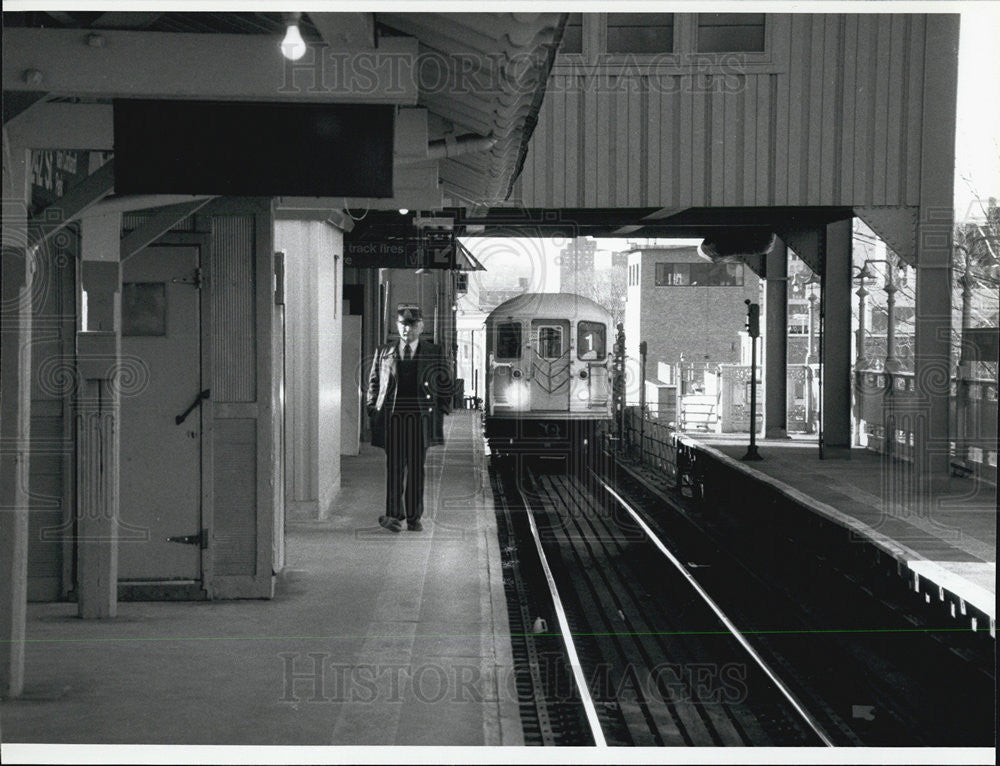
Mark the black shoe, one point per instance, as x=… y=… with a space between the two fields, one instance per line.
x=414 y=526
x=393 y=525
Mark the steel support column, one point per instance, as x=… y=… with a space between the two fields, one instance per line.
x=931 y=393
x=776 y=343
x=15 y=437
x=836 y=340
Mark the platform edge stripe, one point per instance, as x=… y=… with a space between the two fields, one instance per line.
x=511 y=731
x=574 y=660
x=786 y=692
x=899 y=551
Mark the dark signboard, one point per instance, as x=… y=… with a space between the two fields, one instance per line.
x=427 y=250
x=253 y=149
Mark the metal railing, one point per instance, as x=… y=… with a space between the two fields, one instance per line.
x=650 y=443
x=883 y=401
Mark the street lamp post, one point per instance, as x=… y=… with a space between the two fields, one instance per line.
x=891 y=365
x=811 y=285
x=861 y=361
x=964 y=366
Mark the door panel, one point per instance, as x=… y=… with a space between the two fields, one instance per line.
x=550 y=365
x=161 y=459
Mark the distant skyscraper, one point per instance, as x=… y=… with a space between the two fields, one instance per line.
x=576 y=266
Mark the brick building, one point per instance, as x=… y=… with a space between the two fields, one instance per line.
x=687 y=308
x=576 y=266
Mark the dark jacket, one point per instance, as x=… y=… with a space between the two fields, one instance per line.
x=433 y=377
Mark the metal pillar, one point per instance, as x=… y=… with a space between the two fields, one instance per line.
x=15 y=430
x=860 y=363
x=929 y=423
x=776 y=344
x=836 y=340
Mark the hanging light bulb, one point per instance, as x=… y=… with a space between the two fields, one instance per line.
x=293 y=47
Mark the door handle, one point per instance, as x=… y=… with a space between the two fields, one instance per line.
x=197 y=400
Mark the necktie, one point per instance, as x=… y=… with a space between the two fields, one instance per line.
x=407 y=353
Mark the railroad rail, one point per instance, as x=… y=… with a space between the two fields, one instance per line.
x=671 y=639
x=648 y=668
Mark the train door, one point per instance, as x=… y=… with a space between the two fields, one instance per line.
x=550 y=364
x=592 y=351
x=161 y=447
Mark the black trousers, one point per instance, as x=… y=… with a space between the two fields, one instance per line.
x=405 y=451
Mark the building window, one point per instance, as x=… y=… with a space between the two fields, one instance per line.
x=798 y=325
x=726 y=32
x=509 y=340
x=640 y=33
x=572 y=41
x=591 y=340
x=699 y=274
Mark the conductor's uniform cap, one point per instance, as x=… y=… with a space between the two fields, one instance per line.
x=409 y=314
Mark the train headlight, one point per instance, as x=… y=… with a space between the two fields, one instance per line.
x=519 y=396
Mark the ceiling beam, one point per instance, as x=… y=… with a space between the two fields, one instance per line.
x=64 y=126
x=64 y=18
x=161 y=222
x=16 y=104
x=126 y=20
x=346 y=30
x=71 y=205
x=205 y=66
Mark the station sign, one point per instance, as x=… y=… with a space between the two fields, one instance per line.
x=428 y=250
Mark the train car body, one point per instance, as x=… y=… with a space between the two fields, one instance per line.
x=548 y=373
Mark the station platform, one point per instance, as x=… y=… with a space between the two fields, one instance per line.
x=944 y=535
x=373 y=637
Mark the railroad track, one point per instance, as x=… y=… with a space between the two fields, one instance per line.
x=676 y=641
x=858 y=657
x=653 y=659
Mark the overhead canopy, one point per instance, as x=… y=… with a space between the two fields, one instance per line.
x=481 y=76
x=485 y=74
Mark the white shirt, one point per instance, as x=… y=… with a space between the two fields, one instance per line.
x=413 y=349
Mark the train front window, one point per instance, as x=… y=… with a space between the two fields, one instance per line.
x=550 y=342
x=509 y=340
x=591 y=341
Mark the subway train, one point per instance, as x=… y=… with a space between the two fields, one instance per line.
x=548 y=375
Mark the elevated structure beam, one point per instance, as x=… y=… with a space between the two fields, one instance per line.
x=217 y=66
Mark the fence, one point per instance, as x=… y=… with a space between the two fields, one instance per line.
x=649 y=442
x=888 y=408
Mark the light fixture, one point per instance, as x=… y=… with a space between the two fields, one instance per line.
x=403 y=211
x=293 y=47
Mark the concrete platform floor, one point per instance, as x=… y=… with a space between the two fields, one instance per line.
x=946 y=532
x=374 y=638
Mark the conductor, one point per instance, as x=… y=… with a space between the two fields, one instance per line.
x=409 y=392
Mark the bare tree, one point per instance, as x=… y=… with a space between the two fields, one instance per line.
x=609 y=289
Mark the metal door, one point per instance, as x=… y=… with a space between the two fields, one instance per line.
x=550 y=364
x=161 y=418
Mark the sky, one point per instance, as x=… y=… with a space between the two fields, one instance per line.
x=977 y=145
